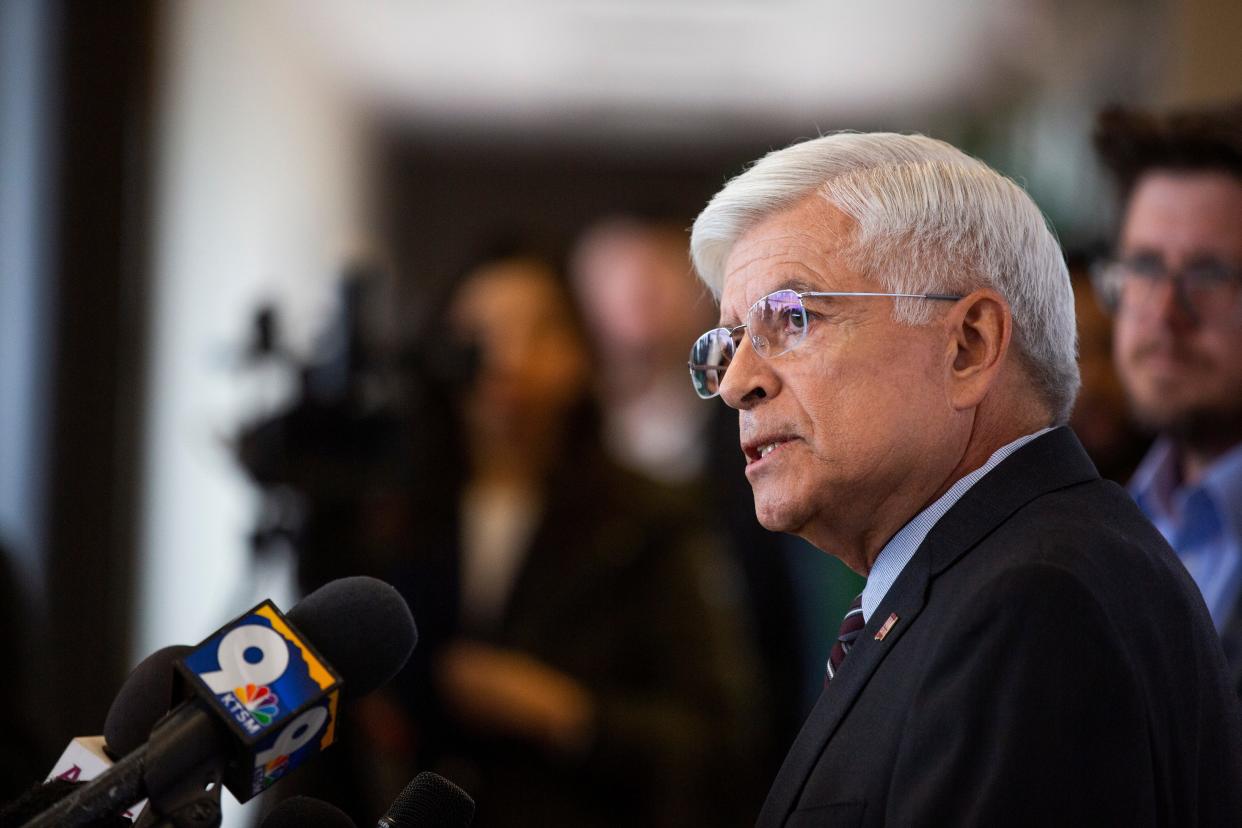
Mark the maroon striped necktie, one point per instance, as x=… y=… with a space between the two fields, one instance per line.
x=851 y=625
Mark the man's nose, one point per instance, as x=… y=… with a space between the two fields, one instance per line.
x=748 y=379
x=1170 y=303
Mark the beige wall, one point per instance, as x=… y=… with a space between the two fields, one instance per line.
x=1206 y=63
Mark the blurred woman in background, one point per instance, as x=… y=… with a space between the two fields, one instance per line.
x=573 y=667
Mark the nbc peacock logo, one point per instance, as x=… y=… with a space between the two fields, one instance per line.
x=275 y=769
x=259 y=701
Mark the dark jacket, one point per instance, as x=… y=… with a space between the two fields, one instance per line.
x=1051 y=663
x=614 y=593
x=1231 y=639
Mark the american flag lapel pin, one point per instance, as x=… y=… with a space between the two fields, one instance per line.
x=888 y=625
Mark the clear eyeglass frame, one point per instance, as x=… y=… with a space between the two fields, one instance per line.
x=777 y=324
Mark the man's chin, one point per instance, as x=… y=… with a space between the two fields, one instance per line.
x=1157 y=418
x=1189 y=421
x=777 y=517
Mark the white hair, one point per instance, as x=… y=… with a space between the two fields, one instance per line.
x=929 y=219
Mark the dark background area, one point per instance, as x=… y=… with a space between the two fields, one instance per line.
x=100 y=65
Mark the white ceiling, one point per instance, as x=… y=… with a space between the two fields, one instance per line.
x=652 y=66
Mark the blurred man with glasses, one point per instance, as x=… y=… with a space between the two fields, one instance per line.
x=1175 y=287
x=897 y=336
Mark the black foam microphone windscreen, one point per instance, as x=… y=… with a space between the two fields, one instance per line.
x=306 y=812
x=143 y=699
x=430 y=800
x=362 y=626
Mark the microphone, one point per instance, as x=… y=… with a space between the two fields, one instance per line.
x=306 y=812
x=144 y=697
x=262 y=701
x=430 y=800
x=41 y=796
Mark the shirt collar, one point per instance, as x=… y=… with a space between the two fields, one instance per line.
x=901 y=548
x=1156 y=479
x=1223 y=481
x=1156 y=484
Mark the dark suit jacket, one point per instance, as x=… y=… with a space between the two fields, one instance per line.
x=612 y=593
x=1231 y=638
x=1051 y=663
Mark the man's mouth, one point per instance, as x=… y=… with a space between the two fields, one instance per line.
x=1165 y=353
x=756 y=450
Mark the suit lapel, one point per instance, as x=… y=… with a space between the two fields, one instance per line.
x=905 y=600
x=1050 y=462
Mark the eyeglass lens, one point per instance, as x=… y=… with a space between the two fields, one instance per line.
x=709 y=358
x=776 y=324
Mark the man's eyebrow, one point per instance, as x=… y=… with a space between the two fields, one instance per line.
x=797 y=285
x=801 y=286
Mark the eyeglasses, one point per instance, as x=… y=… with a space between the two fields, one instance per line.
x=1209 y=291
x=777 y=324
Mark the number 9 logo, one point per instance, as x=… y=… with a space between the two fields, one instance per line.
x=298 y=733
x=269 y=657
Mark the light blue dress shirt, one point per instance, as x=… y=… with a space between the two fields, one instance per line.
x=901 y=548
x=1202 y=522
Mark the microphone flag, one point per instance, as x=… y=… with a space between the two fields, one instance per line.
x=275 y=692
x=83 y=760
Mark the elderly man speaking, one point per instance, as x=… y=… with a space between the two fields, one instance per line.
x=897 y=335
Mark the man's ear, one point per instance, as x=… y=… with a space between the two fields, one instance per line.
x=980 y=327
